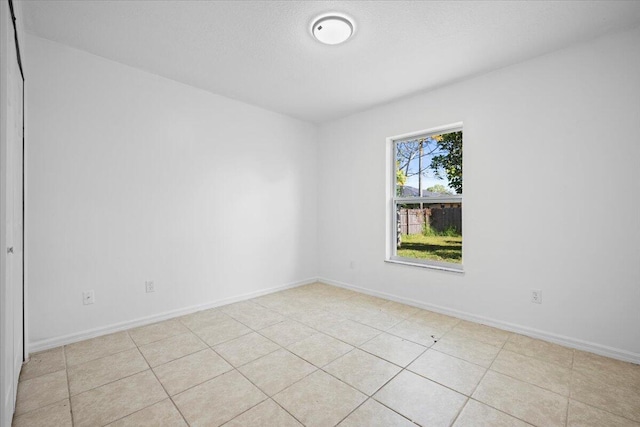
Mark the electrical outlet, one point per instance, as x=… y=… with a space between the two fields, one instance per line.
x=536 y=296
x=88 y=297
x=149 y=286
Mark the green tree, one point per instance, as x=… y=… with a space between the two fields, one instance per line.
x=444 y=152
x=401 y=179
x=439 y=188
x=449 y=161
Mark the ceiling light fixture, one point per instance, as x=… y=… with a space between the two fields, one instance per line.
x=332 y=29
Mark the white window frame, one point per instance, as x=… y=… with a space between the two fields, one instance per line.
x=393 y=200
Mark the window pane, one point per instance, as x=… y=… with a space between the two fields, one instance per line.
x=429 y=166
x=429 y=169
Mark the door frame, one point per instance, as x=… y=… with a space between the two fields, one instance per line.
x=8 y=401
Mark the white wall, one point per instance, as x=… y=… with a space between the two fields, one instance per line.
x=551 y=196
x=134 y=177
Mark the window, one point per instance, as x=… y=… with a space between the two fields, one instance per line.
x=425 y=214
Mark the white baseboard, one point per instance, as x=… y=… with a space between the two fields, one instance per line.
x=578 y=344
x=121 y=326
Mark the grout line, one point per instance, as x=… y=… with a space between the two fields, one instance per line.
x=500 y=410
x=387 y=382
x=66 y=370
x=478 y=384
x=326 y=300
x=173 y=334
x=159 y=382
x=353 y=410
x=604 y=410
x=237 y=370
x=315 y=370
x=460 y=411
x=45 y=406
x=100 y=357
x=285 y=409
x=481 y=379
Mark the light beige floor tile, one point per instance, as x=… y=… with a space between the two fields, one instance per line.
x=470 y=350
x=222 y=331
x=621 y=399
x=186 y=372
x=334 y=291
x=381 y=320
x=162 y=414
x=417 y=333
x=246 y=348
x=113 y=401
x=294 y=308
x=348 y=309
x=85 y=351
x=535 y=371
x=458 y=374
x=607 y=370
x=539 y=349
x=55 y=415
x=261 y=319
x=482 y=333
x=522 y=400
x=373 y=414
x=351 y=332
x=157 y=331
x=287 y=332
x=581 y=415
x=168 y=349
x=317 y=318
x=362 y=371
x=334 y=306
x=204 y=318
x=255 y=316
x=239 y=308
x=368 y=300
x=218 y=400
x=476 y=414
x=398 y=309
x=105 y=370
x=394 y=349
x=265 y=414
x=421 y=400
x=44 y=362
x=319 y=400
x=438 y=321
x=41 y=391
x=274 y=301
x=276 y=371
x=320 y=349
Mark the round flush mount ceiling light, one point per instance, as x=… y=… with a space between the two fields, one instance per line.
x=332 y=29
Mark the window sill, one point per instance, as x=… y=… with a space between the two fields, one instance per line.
x=441 y=267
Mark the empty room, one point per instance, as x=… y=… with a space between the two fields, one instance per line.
x=320 y=213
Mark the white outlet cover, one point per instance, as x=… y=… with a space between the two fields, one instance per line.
x=149 y=286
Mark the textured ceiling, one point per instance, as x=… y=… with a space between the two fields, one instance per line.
x=261 y=52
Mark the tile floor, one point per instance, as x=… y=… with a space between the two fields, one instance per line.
x=318 y=355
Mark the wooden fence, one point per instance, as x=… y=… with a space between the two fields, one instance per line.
x=440 y=219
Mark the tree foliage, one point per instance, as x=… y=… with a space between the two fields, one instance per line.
x=451 y=161
x=439 y=188
x=444 y=152
x=401 y=179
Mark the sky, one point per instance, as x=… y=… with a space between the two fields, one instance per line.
x=427 y=182
x=428 y=178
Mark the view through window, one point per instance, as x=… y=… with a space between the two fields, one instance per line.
x=427 y=200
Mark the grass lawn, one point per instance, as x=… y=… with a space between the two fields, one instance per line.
x=436 y=248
